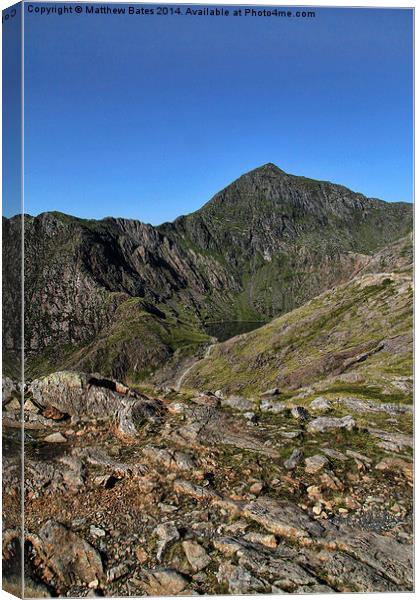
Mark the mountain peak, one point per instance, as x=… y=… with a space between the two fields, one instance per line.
x=268 y=168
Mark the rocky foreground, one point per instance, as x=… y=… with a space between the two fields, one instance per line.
x=161 y=492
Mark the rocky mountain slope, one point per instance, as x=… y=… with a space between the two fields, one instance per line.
x=286 y=238
x=121 y=297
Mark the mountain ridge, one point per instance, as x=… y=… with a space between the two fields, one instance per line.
x=272 y=170
x=263 y=245
x=265 y=168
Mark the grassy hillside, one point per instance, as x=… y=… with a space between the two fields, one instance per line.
x=354 y=338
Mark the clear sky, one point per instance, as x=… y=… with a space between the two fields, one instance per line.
x=148 y=116
x=12 y=111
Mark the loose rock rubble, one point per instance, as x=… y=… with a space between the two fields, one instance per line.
x=135 y=493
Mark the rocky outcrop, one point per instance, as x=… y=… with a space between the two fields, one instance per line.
x=69 y=558
x=84 y=395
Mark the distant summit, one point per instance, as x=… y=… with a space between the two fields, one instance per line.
x=269 y=168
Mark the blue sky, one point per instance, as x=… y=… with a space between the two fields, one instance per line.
x=148 y=116
x=12 y=111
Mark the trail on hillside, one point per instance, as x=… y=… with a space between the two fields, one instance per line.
x=188 y=369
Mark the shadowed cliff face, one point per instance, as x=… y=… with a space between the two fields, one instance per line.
x=121 y=297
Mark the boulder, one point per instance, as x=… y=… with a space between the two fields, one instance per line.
x=239 y=580
x=265 y=539
x=282 y=518
x=251 y=417
x=300 y=413
x=13 y=404
x=396 y=465
x=335 y=454
x=257 y=487
x=274 y=407
x=271 y=392
x=321 y=404
x=239 y=403
x=165 y=582
x=359 y=457
x=55 y=438
x=315 y=463
x=206 y=400
x=30 y=406
x=196 y=555
x=323 y=424
x=293 y=460
x=167 y=534
x=132 y=414
x=392 y=441
x=169 y=458
x=9 y=390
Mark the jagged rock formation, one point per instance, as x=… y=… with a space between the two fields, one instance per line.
x=122 y=297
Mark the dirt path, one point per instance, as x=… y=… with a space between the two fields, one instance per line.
x=192 y=365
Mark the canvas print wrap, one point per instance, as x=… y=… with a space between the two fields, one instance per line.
x=207 y=300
